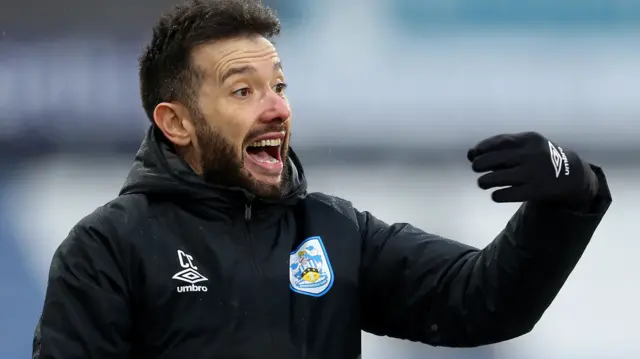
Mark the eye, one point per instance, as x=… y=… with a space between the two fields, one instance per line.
x=242 y=93
x=279 y=88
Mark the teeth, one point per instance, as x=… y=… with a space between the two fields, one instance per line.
x=264 y=143
x=270 y=160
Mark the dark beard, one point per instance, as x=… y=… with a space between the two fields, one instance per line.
x=223 y=166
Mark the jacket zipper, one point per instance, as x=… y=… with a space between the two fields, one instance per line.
x=256 y=267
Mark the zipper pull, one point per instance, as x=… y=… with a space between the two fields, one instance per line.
x=247 y=212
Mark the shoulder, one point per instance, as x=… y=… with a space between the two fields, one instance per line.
x=112 y=224
x=101 y=245
x=119 y=215
x=333 y=203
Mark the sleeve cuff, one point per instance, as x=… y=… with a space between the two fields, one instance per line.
x=596 y=206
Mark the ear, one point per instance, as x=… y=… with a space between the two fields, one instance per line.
x=174 y=122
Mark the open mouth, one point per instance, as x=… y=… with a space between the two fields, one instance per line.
x=265 y=154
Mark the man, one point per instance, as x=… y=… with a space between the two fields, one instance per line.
x=214 y=248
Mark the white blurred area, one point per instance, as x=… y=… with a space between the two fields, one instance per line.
x=358 y=67
x=595 y=316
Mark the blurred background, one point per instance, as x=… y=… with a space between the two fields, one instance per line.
x=387 y=96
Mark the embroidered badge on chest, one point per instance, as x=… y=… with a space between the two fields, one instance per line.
x=310 y=271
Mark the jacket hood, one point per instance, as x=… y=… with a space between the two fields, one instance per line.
x=158 y=170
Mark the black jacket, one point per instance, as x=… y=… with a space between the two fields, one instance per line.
x=177 y=268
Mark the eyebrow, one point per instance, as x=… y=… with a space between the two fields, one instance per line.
x=247 y=69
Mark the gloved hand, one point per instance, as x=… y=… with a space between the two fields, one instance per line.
x=533 y=169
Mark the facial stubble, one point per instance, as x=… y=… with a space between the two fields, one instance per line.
x=222 y=164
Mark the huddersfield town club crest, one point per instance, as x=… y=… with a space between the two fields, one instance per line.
x=310 y=271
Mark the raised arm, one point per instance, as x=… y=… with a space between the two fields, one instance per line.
x=422 y=287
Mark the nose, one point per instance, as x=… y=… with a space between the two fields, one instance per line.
x=276 y=108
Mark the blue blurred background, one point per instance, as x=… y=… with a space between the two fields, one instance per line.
x=387 y=96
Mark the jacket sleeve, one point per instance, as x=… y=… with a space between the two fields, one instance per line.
x=421 y=287
x=86 y=312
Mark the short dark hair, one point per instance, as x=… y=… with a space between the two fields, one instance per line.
x=166 y=70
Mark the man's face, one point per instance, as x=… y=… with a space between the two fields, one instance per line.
x=243 y=117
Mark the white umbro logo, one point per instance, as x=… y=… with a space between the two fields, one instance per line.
x=558 y=158
x=190 y=274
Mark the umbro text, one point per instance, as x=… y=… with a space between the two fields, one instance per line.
x=565 y=160
x=189 y=274
x=192 y=288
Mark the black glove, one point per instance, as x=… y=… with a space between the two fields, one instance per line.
x=533 y=169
